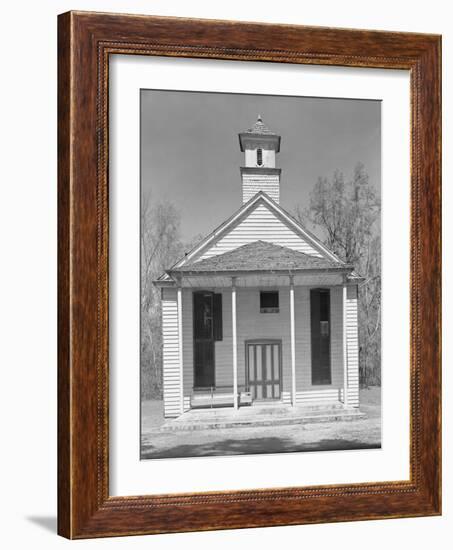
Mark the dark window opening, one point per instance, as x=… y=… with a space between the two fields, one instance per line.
x=259 y=157
x=320 y=336
x=217 y=314
x=269 y=302
x=207 y=329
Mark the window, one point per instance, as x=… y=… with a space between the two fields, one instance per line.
x=269 y=302
x=259 y=157
x=320 y=336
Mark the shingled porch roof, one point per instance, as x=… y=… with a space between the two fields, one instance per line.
x=260 y=256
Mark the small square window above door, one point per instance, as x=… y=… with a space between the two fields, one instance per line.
x=269 y=301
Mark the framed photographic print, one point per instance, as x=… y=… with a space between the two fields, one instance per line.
x=249 y=275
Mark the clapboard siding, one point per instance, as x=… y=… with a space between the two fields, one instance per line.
x=260 y=224
x=253 y=183
x=306 y=392
x=352 y=339
x=303 y=342
x=171 y=362
x=224 y=348
x=325 y=395
x=187 y=340
x=251 y=324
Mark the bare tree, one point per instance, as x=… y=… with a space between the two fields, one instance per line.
x=346 y=214
x=160 y=247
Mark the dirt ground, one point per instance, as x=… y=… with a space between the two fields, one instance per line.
x=331 y=436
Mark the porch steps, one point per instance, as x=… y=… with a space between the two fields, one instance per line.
x=250 y=418
x=270 y=408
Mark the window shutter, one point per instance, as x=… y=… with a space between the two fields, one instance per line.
x=217 y=314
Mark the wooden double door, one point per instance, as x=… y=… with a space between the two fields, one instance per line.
x=263 y=360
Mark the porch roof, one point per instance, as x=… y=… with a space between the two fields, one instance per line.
x=260 y=256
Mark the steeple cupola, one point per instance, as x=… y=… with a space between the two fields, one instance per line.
x=260 y=146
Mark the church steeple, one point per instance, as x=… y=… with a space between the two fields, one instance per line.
x=260 y=145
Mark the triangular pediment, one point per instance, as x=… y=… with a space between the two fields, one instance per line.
x=261 y=219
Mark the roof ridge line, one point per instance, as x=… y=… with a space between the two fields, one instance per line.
x=260 y=195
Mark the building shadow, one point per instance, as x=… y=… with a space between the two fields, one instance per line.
x=48 y=523
x=252 y=446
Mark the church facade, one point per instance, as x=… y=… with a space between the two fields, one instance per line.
x=260 y=311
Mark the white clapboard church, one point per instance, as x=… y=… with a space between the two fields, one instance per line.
x=260 y=311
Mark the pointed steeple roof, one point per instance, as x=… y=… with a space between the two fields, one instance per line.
x=259 y=135
x=260 y=128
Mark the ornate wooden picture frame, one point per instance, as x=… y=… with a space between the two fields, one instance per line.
x=85 y=41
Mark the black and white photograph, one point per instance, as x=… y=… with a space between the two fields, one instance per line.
x=260 y=274
x=225 y=308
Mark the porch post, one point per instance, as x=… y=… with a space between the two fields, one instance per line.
x=345 y=349
x=293 y=340
x=181 y=370
x=235 y=350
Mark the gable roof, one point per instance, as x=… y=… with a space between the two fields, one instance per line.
x=227 y=225
x=260 y=256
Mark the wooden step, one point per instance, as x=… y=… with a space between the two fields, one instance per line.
x=219 y=400
x=200 y=421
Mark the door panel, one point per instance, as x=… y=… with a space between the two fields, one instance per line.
x=204 y=363
x=263 y=369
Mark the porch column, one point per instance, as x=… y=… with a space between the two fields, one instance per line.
x=293 y=340
x=235 y=349
x=181 y=370
x=345 y=348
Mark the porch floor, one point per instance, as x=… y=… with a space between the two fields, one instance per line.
x=265 y=414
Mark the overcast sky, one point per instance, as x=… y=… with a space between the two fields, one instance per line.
x=190 y=148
